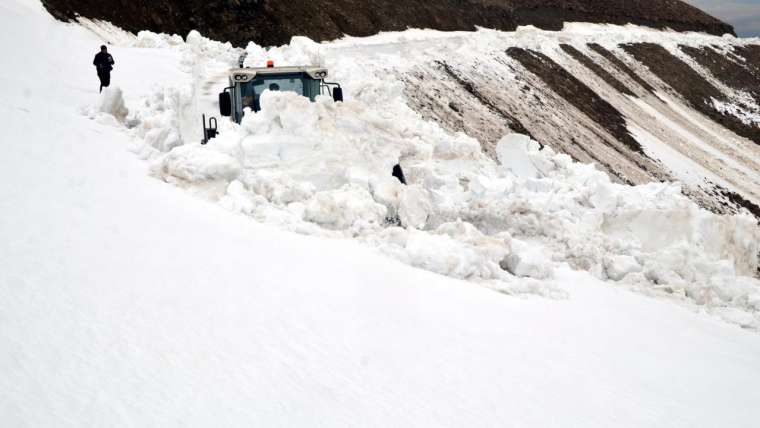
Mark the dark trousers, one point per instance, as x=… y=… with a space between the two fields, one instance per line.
x=105 y=79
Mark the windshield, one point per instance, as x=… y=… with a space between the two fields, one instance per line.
x=251 y=92
x=292 y=84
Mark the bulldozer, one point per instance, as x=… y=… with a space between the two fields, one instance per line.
x=246 y=84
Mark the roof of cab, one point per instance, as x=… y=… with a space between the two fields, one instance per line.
x=250 y=73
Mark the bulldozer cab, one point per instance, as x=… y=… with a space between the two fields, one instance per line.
x=248 y=84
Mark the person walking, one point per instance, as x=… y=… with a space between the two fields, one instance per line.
x=104 y=62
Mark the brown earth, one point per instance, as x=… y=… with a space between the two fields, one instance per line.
x=274 y=22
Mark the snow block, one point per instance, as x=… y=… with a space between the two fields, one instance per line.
x=513 y=152
x=196 y=163
x=527 y=261
x=112 y=102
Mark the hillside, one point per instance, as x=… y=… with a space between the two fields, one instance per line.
x=627 y=159
x=274 y=22
x=644 y=106
x=147 y=280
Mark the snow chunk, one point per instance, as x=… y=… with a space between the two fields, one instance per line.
x=527 y=261
x=343 y=208
x=111 y=102
x=414 y=207
x=148 y=39
x=513 y=152
x=617 y=267
x=196 y=163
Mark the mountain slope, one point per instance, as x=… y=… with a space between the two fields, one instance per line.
x=613 y=94
x=125 y=301
x=274 y=22
x=482 y=205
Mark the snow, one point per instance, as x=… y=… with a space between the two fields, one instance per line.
x=323 y=169
x=130 y=302
x=112 y=104
x=479 y=60
x=513 y=154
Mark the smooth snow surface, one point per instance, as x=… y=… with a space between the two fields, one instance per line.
x=125 y=301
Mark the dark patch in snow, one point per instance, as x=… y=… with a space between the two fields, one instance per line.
x=617 y=62
x=729 y=72
x=738 y=201
x=576 y=93
x=598 y=160
x=596 y=69
x=751 y=55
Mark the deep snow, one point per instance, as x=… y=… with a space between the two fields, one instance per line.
x=128 y=302
x=324 y=169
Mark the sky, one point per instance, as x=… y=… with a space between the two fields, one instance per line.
x=744 y=15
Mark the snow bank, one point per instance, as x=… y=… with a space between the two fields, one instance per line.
x=157 y=122
x=324 y=169
x=110 y=108
x=197 y=164
x=112 y=102
x=512 y=153
x=147 y=39
x=496 y=223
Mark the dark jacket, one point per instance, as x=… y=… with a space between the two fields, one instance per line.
x=103 y=62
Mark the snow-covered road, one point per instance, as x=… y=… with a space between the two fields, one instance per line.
x=128 y=302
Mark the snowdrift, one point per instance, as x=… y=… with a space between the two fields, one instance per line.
x=324 y=169
x=127 y=302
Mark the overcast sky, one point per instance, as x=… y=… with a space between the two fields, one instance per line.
x=744 y=15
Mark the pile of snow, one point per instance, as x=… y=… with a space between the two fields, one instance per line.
x=112 y=103
x=324 y=169
x=157 y=122
x=148 y=39
x=111 y=108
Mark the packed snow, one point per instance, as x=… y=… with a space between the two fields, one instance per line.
x=125 y=301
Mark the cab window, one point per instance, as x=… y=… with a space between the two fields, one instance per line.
x=293 y=84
